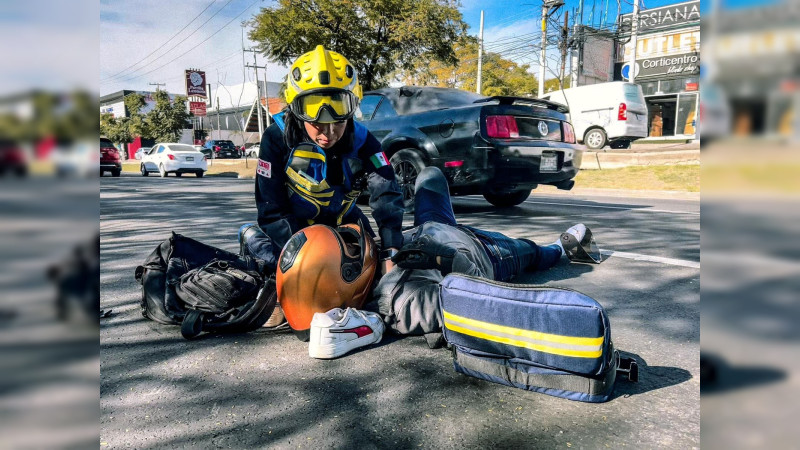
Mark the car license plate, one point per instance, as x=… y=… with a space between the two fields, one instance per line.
x=549 y=163
x=190 y=158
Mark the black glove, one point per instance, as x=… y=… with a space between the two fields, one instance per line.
x=422 y=253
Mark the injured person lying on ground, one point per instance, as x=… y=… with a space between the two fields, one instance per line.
x=408 y=296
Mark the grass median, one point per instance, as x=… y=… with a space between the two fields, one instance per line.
x=684 y=178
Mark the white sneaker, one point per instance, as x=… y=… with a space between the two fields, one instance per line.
x=339 y=331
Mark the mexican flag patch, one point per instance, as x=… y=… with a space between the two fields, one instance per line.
x=379 y=160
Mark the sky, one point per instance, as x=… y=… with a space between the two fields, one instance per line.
x=153 y=41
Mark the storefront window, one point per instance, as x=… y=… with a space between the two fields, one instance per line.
x=649 y=87
x=687 y=109
x=672 y=86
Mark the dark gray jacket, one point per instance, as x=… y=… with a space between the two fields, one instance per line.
x=408 y=300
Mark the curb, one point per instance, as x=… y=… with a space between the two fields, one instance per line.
x=606 y=160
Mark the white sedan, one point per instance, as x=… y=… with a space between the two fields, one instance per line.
x=173 y=158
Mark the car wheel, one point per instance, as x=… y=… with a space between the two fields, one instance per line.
x=595 y=138
x=621 y=144
x=143 y=169
x=199 y=174
x=116 y=173
x=507 y=199
x=407 y=165
x=162 y=171
x=178 y=174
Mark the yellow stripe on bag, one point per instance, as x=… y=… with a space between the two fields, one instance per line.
x=486 y=329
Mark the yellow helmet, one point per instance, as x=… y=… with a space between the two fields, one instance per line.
x=322 y=86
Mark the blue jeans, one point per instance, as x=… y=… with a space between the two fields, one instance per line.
x=509 y=256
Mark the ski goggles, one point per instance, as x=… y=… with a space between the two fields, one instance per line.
x=325 y=105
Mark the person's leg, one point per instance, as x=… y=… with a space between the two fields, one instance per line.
x=510 y=256
x=432 y=198
x=255 y=243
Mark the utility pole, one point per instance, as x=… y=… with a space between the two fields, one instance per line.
x=543 y=53
x=577 y=37
x=255 y=67
x=547 y=6
x=157 y=85
x=634 y=31
x=480 y=56
x=564 y=45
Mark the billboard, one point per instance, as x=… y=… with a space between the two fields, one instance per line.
x=196 y=83
x=664 y=17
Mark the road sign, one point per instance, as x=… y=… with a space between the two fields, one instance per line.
x=626 y=69
x=197 y=108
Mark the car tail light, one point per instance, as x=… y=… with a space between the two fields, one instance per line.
x=569 y=133
x=623 y=112
x=171 y=157
x=216 y=147
x=453 y=164
x=501 y=127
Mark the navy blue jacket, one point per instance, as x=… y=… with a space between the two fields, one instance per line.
x=274 y=212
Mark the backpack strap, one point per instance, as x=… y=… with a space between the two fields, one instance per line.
x=192 y=324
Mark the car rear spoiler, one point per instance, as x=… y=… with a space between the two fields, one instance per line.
x=506 y=100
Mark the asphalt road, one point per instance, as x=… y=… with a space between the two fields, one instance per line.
x=262 y=390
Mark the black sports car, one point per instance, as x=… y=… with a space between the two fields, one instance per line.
x=500 y=147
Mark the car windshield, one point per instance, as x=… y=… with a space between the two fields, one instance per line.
x=182 y=148
x=226 y=144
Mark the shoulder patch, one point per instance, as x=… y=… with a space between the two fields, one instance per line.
x=264 y=168
x=379 y=160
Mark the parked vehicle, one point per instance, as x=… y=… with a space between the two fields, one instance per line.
x=12 y=159
x=207 y=152
x=109 y=158
x=499 y=147
x=222 y=148
x=603 y=114
x=142 y=151
x=715 y=114
x=252 y=151
x=174 y=158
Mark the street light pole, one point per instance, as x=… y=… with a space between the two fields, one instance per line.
x=634 y=31
x=543 y=53
x=480 y=56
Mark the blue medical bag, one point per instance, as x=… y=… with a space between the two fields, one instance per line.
x=550 y=340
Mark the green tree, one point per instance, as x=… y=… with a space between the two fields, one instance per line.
x=168 y=119
x=115 y=129
x=137 y=125
x=377 y=36
x=500 y=76
x=553 y=84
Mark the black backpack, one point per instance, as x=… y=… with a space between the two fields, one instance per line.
x=204 y=288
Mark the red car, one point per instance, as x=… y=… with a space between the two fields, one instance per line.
x=109 y=158
x=12 y=159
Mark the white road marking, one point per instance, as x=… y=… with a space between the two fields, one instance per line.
x=632 y=208
x=657 y=259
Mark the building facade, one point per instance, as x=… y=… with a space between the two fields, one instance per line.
x=667 y=66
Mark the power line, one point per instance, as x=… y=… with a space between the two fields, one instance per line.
x=183 y=40
x=196 y=46
x=162 y=45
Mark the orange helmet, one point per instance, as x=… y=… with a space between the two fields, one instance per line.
x=322 y=268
